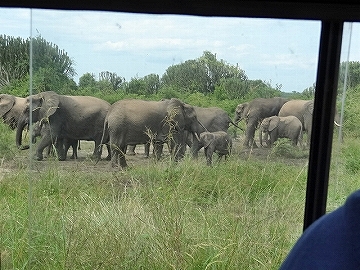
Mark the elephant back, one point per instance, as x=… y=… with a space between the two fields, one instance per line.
x=294 y=107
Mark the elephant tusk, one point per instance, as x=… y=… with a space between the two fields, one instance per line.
x=337 y=124
x=197 y=136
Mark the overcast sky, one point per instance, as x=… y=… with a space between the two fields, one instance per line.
x=134 y=45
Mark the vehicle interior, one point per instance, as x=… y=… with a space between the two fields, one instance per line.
x=333 y=16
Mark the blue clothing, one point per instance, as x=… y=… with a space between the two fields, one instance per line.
x=331 y=242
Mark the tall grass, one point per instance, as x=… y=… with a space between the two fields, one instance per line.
x=235 y=215
x=244 y=213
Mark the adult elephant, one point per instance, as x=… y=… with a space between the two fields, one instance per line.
x=276 y=127
x=212 y=119
x=303 y=110
x=132 y=121
x=254 y=112
x=11 y=108
x=72 y=117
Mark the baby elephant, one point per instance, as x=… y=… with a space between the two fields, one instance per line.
x=219 y=142
x=40 y=128
x=281 y=127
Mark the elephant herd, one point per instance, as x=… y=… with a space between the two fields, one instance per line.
x=62 y=121
x=277 y=118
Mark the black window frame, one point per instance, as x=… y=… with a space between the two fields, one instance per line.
x=332 y=15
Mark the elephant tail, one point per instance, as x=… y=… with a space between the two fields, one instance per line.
x=105 y=134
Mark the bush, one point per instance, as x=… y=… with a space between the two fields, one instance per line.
x=7 y=142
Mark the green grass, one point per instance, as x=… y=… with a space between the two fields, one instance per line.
x=244 y=213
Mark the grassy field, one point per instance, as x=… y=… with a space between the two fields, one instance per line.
x=245 y=213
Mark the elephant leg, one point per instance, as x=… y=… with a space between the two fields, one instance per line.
x=67 y=146
x=208 y=155
x=98 y=149
x=122 y=159
x=118 y=155
x=44 y=142
x=108 y=157
x=60 y=149
x=147 y=149
x=74 y=145
x=195 y=147
x=158 y=149
x=249 y=134
x=131 y=150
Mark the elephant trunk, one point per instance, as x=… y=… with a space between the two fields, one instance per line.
x=20 y=127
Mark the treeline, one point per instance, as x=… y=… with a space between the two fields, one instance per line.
x=205 y=81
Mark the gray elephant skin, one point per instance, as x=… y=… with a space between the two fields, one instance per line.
x=133 y=121
x=41 y=128
x=212 y=119
x=219 y=142
x=276 y=127
x=73 y=117
x=11 y=108
x=303 y=110
x=254 y=112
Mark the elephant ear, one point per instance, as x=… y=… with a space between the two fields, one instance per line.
x=6 y=103
x=206 y=138
x=274 y=122
x=309 y=106
x=50 y=103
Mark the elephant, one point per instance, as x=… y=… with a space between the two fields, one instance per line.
x=303 y=110
x=219 y=142
x=212 y=119
x=254 y=112
x=72 y=117
x=134 y=121
x=11 y=108
x=41 y=128
x=281 y=127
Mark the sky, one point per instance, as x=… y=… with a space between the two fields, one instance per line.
x=279 y=52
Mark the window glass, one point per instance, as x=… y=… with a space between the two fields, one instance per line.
x=344 y=166
x=244 y=212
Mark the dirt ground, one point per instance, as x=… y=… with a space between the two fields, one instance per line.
x=85 y=161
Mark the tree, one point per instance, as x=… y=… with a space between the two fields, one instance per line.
x=201 y=75
x=52 y=67
x=14 y=59
x=111 y=80
x=148 y=85
x=87 y=80
x=353 y=74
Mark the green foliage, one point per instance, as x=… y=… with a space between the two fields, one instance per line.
x=7 y=143
x=351 y=154
x=353 y=74
x=201 y=75
x=283 y=148
x=87 y=81
x=156 y=216
x=148 y=85
x=351 y=124
x=14 y=59
x=52 y=67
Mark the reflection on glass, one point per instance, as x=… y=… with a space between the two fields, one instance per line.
x=246 y=210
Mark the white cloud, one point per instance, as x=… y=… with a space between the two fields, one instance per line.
x=289 y=61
